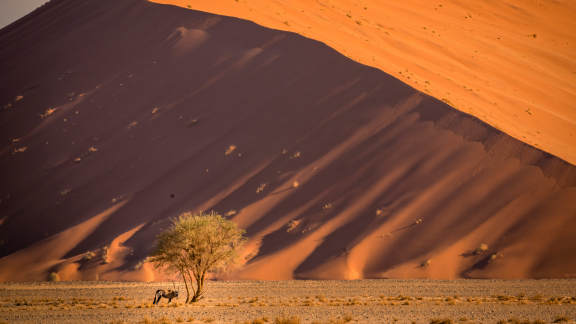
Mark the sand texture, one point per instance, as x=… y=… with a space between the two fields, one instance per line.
x=117 y=117
x=320 y=302
x=510 y=63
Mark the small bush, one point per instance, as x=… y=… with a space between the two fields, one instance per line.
x=482 y=248
x=89 y=256
x=561 y=319
x=105 y=255
x=53 y=277
x=230 y=150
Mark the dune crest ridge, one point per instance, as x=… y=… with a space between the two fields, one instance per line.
x=510 y=63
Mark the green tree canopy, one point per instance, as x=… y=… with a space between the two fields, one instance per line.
x=195 y=244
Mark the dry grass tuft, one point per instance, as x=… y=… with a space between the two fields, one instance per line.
x=441 y=321
x=517 y=321
x=287 y=320
x=262 y=320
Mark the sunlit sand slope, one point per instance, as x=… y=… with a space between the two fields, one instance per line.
x=117 y=117
x=510 y=63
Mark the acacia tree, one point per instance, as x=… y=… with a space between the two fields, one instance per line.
x=195 y=244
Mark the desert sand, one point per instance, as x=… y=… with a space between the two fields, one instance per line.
x=320 y=302
x=116 y=118
x=510 y=63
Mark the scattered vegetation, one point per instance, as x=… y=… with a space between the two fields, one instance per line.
x=296 y=155
x=287 y=320
x=481 y=249
x=292 y=225
x=441 y=321
x=47 y=113
x=261 y=188
x=88 y=256
x=148 y=320
x=21 y=149
x=230 y=150
x=132 y=124
x=105 y=255
x=517 y=321
x=140 y=264
x=53 y=277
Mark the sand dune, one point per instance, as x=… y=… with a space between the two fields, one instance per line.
x=336 y=169
x=510 y=63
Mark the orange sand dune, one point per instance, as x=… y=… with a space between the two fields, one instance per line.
x=510 y=63
x=136 y=111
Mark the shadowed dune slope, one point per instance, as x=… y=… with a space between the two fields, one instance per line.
x=511 y=63
x=117 y=117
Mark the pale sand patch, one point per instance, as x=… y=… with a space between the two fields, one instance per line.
x=361 y=301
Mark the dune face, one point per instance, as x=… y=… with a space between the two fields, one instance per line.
x=510 y=63
x=117 y=117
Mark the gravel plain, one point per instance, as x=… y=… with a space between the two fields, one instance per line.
x=360 y=301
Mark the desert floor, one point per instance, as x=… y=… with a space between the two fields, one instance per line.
x=362 y=301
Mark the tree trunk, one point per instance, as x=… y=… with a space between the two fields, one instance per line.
x=199 y=288
x=187 y=289
x=191 y=300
